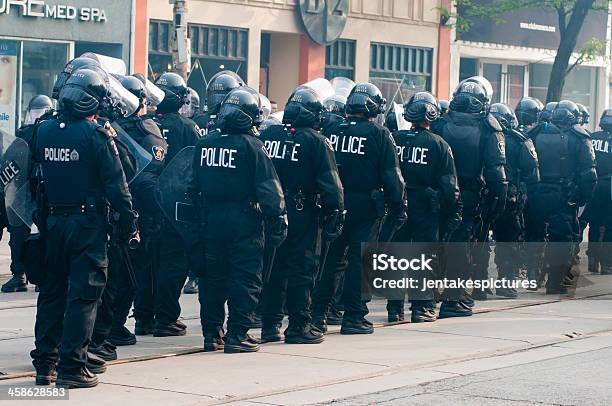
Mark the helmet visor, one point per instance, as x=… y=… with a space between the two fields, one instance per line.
x=123 y=100
x=109 y=64
x=342 y=86
x=154 y=94
x=322 y=87
x=33 y=115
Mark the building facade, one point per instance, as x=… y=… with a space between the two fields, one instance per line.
x=516 y=56
x=393 y=43
x=38 y=37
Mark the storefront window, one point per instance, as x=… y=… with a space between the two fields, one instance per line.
x=579 y=84
x=9 y=67
x=42 y=61
x=400 y=71
x=468 y=67
x=492 y=71
x=515 y=84
x=340 y=59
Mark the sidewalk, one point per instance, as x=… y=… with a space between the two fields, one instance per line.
x=174 y=371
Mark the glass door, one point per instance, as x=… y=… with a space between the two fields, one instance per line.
x=514 y=84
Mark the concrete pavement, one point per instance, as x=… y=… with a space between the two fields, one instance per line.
x=484 y=359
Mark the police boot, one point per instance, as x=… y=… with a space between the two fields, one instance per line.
x=319 y=321
x=334 y=316
x=107 y=351
x=356 y=326
x=606 y=270
x=82 y=378
x=423 y=312
x=454 y=308
x=17 y=283
x=214 y=341
x=143 y=327
x=593 y=264
x=191 y=287
x=46 y=375
x=509 y=291
x=303 y=334
x=121 y=336
x=271 y=334
x=395 y=311
x=95 y=364
x=235 y=344
x=170 y=330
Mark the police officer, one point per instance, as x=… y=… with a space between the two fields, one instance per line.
x=528 y=112
x=179 y=132
x=391 y=121
x=568 y=178
x=523 y=175
x=477 y=143
x=236 y=179
x=334 y=114
x=373 y=186
x=598 y=213
x=428 y=167
x=438 y=125
x=218 y=87
x=546 y=115
x=306 y=166
x=75 y=147
x=38 y=108
x=143 y=261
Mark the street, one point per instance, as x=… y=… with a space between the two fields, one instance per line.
x=537 y=349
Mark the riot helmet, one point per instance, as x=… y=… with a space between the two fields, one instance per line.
x=365 y=99
x=136 y=87
x=606 y=120
x=422 y=106
x=546 y=115
x=192 y=105
x=303 y=109
x=483 y=82
x=239 y=112
x=566 y=114
x=504 y=116
x=83 y=93
x=218 y=87
x=68 y=70
x=38 y=106
x=584 y=114
x=470 y=97
x=528 y=111
x=444 y=106
x=175 y=90
x=269 y=122
x=154 y=94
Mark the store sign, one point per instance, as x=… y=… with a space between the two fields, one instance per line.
x=324 y=20
x=40 y=9
x=8 y=86
x=537 y=27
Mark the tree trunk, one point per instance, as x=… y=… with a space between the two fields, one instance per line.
x=569 y=37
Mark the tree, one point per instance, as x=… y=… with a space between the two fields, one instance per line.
x=571 y=15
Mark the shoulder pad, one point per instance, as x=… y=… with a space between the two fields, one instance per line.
x=149 y=126
x=579 y=131
x=492 y=123
x=107 y=130
x=518 y=135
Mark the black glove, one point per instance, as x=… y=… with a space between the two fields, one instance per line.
x=395 y=219
x=276 y=230
x=128 y=227
x=333 y=224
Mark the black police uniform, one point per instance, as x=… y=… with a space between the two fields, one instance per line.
x=84 y=153
x=428 y=167
x=179 y=132
x=478 y=147
x=367 y=162
x=598 y=212
x=237 y=181
x=523 y=175
x=205 y=122
x=140 y=264
x=306 y=166
x=568 y=178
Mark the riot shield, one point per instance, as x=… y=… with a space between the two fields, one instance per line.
x=14 y=174
x=322 y=87
x=178 y=207
x=402 y=124
x=108 y=63
x=140 y=157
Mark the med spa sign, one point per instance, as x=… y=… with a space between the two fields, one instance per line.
x=40 y=9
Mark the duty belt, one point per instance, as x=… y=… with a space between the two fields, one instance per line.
x=66 y=210
x=301 y=199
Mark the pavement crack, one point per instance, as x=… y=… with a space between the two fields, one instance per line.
x=475 y=336
x=329 y=359
x=161 y=390
x=520 y=401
